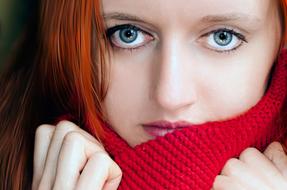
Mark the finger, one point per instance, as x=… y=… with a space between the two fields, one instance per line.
x=264 y=167
x=43 y=137
x=241 y=174
x=48 y=178
x=75 y=152
x=255 y=159
x=101 y=172
x=275 y=152
x=225 y=183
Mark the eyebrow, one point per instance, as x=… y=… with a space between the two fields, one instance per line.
x=206 y=19
x=122 y=16
x=230 y=17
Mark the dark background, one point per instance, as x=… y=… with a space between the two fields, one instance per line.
x=13 y=19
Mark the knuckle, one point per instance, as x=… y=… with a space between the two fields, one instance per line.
x=274 y=146
x=103 y=159
x=275 y=152
x=217 y=181
x=230 y=166
x=117 y=168
x=231 y=163
x=248 y=153
x=44 y=129
x=119 y=171
x=72 y=138
x=65 y=125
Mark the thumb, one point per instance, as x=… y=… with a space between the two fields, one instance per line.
x=277 y=154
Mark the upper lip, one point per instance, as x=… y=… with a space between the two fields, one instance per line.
x=168 y=124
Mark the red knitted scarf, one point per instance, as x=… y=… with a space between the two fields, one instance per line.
x=191 y=158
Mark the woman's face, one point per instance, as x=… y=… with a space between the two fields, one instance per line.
x=183 y=62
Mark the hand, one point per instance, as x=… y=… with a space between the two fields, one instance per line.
x=67 y=157
x=255 y=170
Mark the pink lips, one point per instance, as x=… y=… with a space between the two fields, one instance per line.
x=160 y=128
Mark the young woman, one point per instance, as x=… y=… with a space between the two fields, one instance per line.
x=158 y=94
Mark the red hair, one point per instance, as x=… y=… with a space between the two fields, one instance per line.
x=77 y=76
x=65 y=76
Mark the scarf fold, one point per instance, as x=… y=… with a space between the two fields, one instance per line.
x=191 y=158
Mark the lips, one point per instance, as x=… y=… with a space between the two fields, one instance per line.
x=160 y=128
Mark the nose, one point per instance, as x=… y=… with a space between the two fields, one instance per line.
x=174 y=88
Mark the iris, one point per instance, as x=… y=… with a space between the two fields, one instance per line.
x=128 y=35
x=223 y=38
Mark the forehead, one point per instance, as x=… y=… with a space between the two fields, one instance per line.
x=191 y=9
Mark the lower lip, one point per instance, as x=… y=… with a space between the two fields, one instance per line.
x=156 y=131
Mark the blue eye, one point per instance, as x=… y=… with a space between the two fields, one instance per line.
x=223 y=38
x=128 y=36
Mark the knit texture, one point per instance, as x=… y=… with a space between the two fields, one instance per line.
x=191 y=158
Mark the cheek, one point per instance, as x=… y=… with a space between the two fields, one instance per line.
x=233 y=89
x=231 y=98
x=128 y=88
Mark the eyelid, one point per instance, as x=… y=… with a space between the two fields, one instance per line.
x=230 y=30
x=237 y=34
x=110 y=31
x=113 y=30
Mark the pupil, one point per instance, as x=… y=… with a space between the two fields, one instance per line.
x=223 y=36
x=129 y=34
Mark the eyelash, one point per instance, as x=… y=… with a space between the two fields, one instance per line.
x=111 y=31
x=240 y=36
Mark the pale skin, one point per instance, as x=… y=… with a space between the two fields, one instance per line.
x=67 y=157
x=173 y=70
